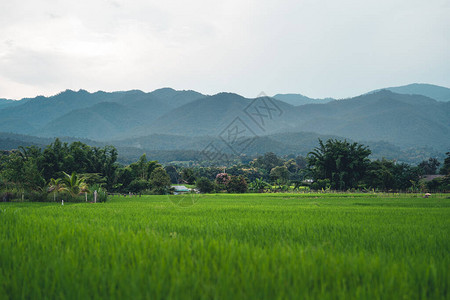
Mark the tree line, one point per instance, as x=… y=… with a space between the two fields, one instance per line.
x=37 y=174
x=333 y=165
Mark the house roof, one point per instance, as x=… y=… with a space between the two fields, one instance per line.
x=181 y=188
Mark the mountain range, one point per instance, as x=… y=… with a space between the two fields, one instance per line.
x=400 y=118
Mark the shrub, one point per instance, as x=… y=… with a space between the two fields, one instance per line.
x=138 y=185
x=6 y=196
x=321 y=184
x=36 y=196
x=102 y=195
x=222 y=178
x=205 y=185
x=237 y=184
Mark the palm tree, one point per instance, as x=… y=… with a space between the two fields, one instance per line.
x=75 y=184
x=259 y=185
x=55 y=186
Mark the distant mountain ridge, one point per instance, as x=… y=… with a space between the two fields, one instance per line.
x=435 y=92
x=190 y=120
x=299 y=99
x=57 y=115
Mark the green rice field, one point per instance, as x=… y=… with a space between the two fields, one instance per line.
x=250 y=246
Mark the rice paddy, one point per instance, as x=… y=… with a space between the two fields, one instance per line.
x=250 y=246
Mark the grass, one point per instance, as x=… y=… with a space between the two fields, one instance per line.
x=270 y=246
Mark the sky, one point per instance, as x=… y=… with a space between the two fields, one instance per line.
x=319 y=48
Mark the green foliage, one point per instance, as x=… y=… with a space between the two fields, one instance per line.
x=445 y=170
x=264 y=246
x=77 y=157
x=258 y=185
x=55 y=186
x=74 y=184
x=222 y=178
x=321 y=184
x=173 y=174
x=280 y=173
x=268 y=161
x=187 y=175
x=138 y=185
x=345 y=165
x=102 y=195
x=21 y=168
x=429 y=166
x=439 y=184
x=204 y=185
x=342 y=163
x=36 y=196
x=237 y=184
x=160 y=181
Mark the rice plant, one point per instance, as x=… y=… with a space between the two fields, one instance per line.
x=251 y=246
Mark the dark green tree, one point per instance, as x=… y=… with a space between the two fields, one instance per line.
x=269 y=161
x=344 y=164
x=430 y=166
x=301 y=162
x=160 y=181
x=280 y=173
x=173 y=174
x=380 y=175
x=138 y=185
x=205 y=185
x=237 y=184
x=445 y=170
x=188 y=176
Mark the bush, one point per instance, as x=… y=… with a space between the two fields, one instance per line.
x=67 y=197
x=222 y=178
x=36 y=196
x=205 y=185
x=6 y=196
x=237 y=184
x=138 y=185
x=439 y=184
x=102 y=195
x=321 y=184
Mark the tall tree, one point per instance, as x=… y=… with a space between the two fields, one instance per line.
x=160 y=181
x=269 y=161
x=445 y=170
x=280 y=173
x=430 y=166
x=343 y=163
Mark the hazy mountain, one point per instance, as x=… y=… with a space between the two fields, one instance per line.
x=105 y=120
x=436 y=92
x=37 y=115
x=5 y=103
x=10 y=141
x=405 y=120
x=175 y=98
x=206 y=116
x=166 y=119
x=42 y=110
x=299 y=99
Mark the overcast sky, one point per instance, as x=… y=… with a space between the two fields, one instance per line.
x=319 y=48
